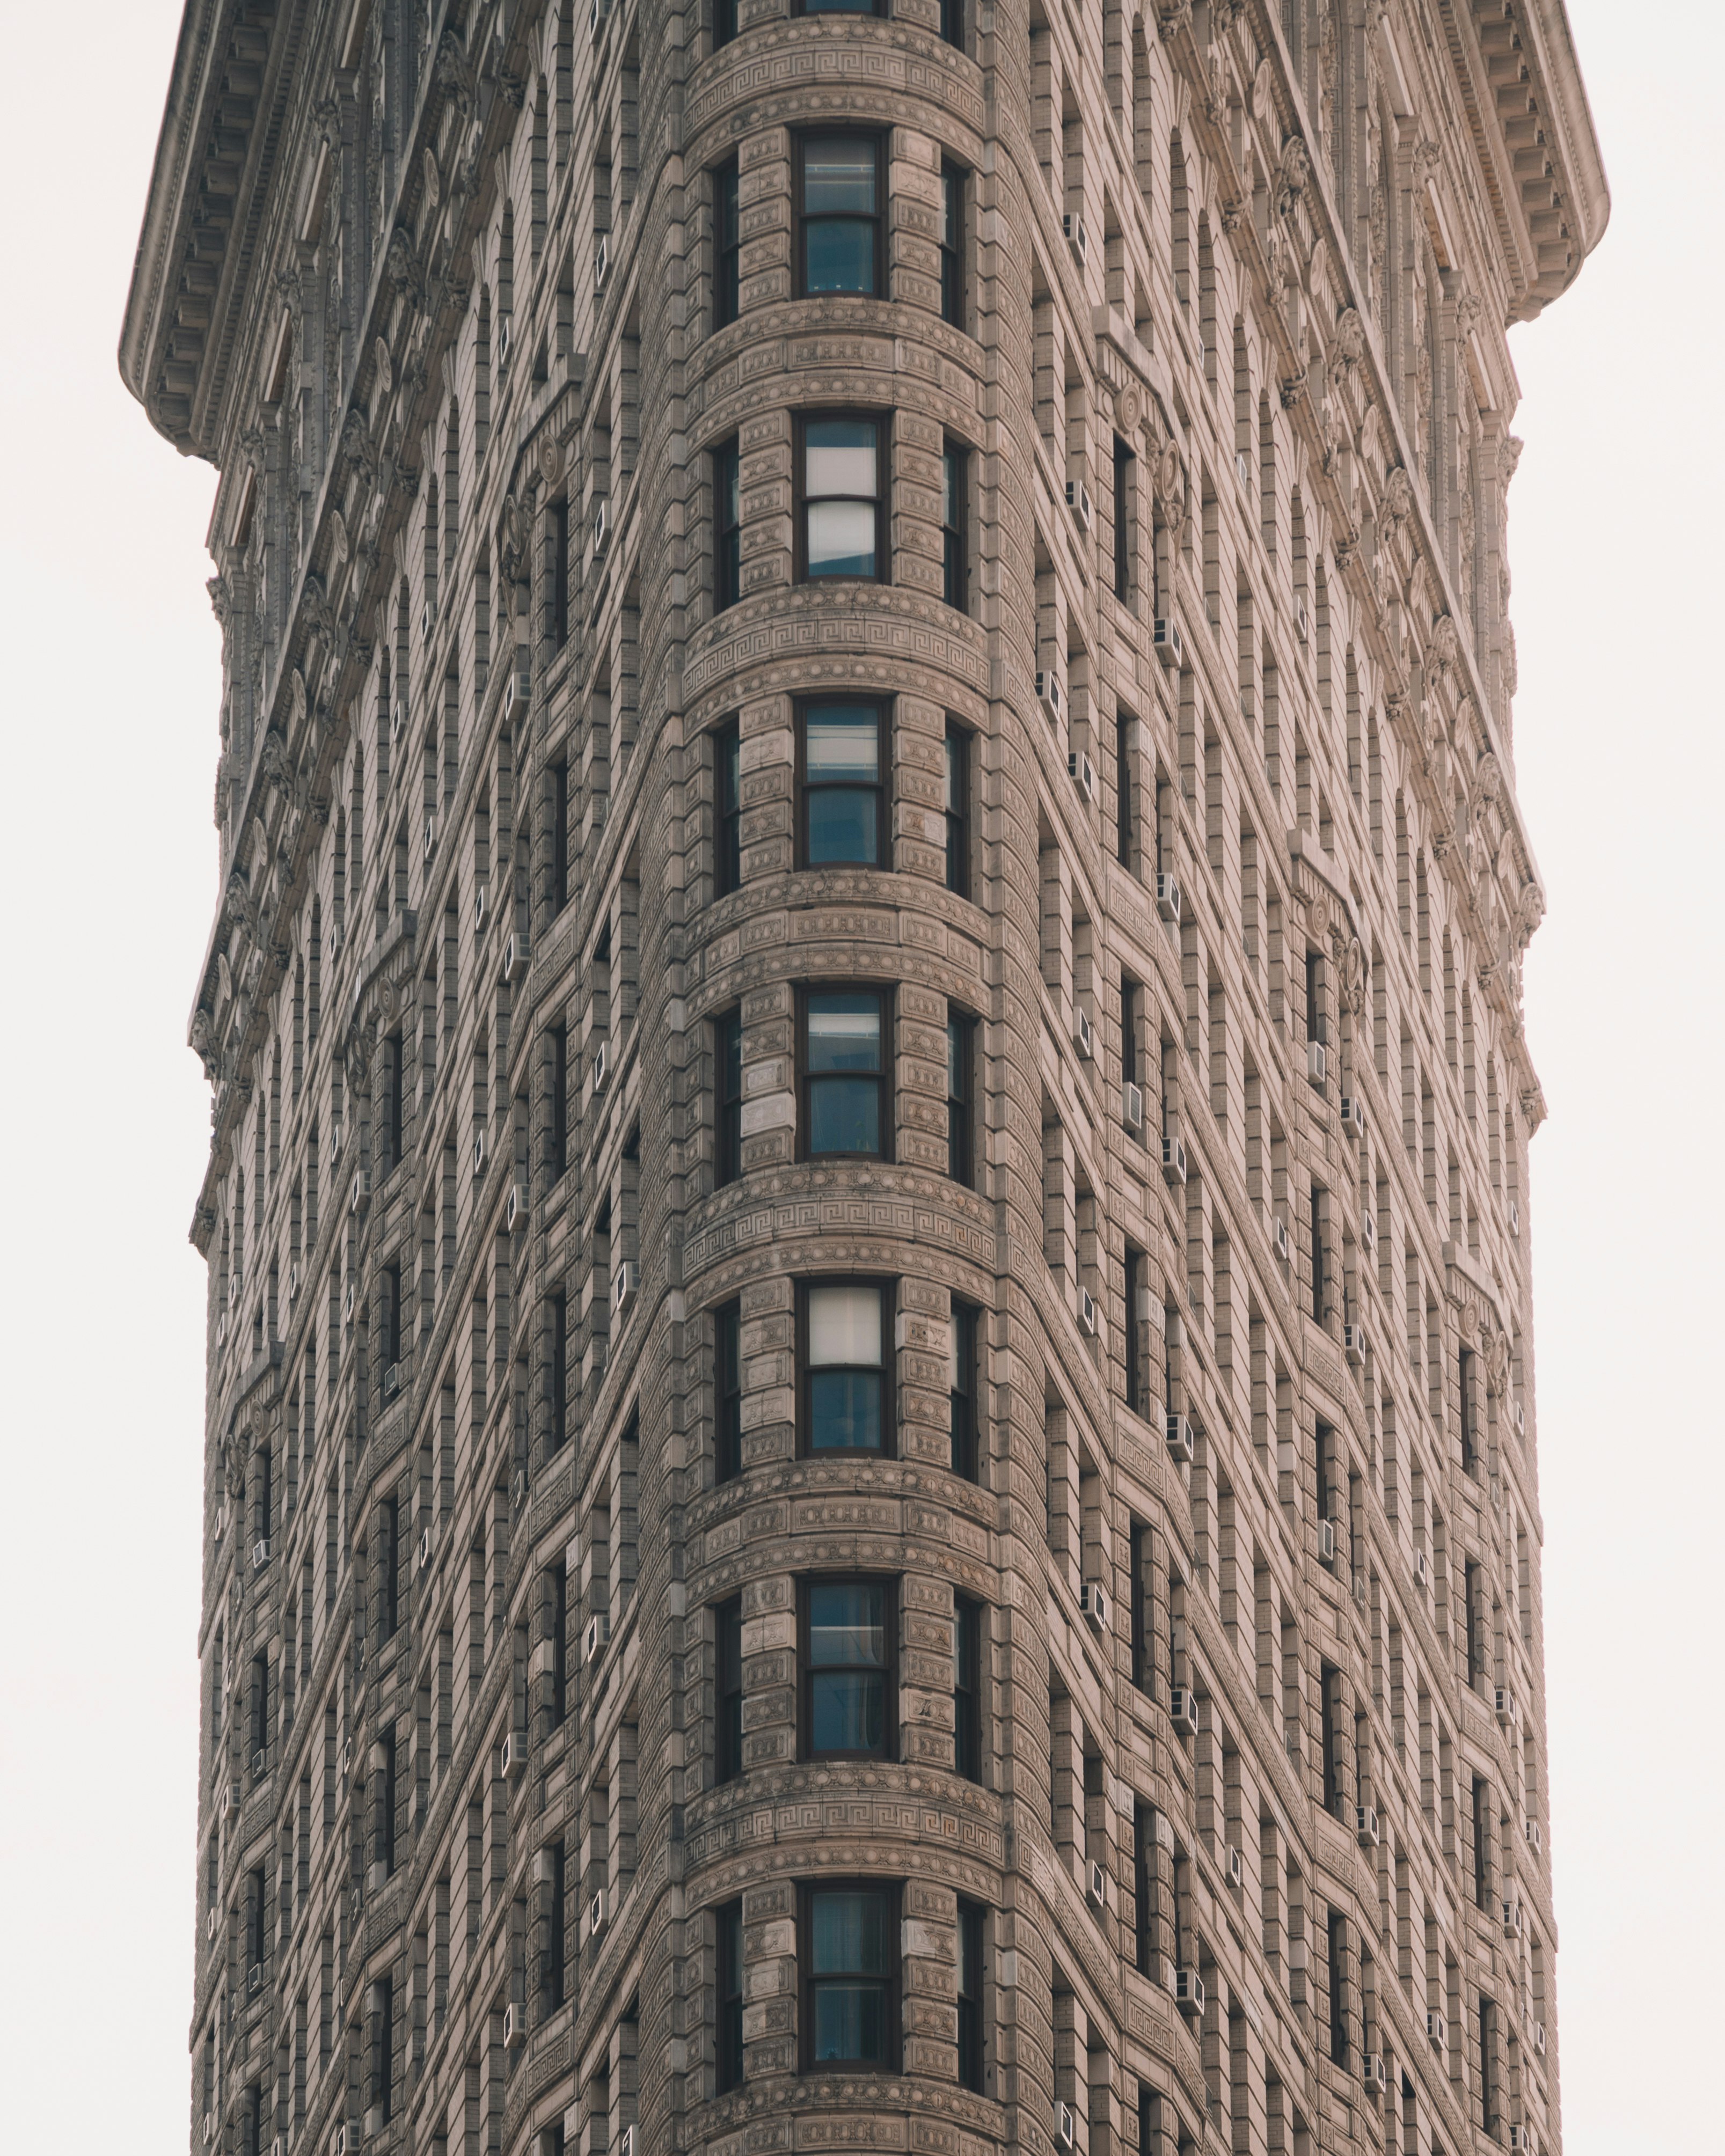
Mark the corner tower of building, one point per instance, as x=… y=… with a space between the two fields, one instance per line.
x=869 y=1455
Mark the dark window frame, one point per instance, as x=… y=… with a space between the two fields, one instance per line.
x=956 y=774
x=556 y=1316
x=890 y=1893
x=727 y=808
x=955 y=199
x=964 y=1399
x=724 y=23
x=806 y=1080
x=727 y=1103
x=887 y=1289
x=952 y=23
x=394 y=1118
x=882 y=789
x=877 y=8
x=889 y=1584
x=727 y=234
x=1125 y=519
x=727 y=524
x=879 y=417
x=728 y=2054
x=972 y=1952
x=727 y=1392
x=557 y=1135
x=727 y=1691
x=801 y=220
x=1137 y=1281
x=970 y=1634
x=559 y=809
x=961 y=1036
x=955 y=523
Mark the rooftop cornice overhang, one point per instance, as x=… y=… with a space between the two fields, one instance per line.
x=1549 y=199
x=217 y=156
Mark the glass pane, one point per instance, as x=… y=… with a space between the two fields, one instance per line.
x=730 y=771
x=840 y=456
x=733 y=1059
x=842 y=827
x=951 y=196
x=729 y=490
x=727 y=207
x=850 y=1934
x=953 y=804
x=955 y=1060
x=838 y=7
x=958 y=1342
x=839 y=255
x=841 y=538
x=849 y=1711
x=838 y=175
x=847 y=1624
x=844 y=1411
x=845 y=1326
x=844 y=1115
x=842 y=741
x=850 y=2022
x=952 y=515
x=843 y=1032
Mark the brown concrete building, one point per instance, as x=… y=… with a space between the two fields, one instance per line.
x=870 y=1454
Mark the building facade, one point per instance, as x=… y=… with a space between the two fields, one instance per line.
x=870 y=1446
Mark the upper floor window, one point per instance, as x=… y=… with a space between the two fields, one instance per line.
x=845 y=1072
x=968 y=1687
x=955 y=525
x=1125 y=468
x=953 y=242
x=556 y=533
x=727 y=808
x=957 y=809
x=961 y=1088
x=843 y=752
x=846 y=1400
x=727 y=1088
x=971 y=1918
x=841 y=502
x=952 y=33
x=849 y=1989
x=727 y=1390
x=961 y=1378
x=729 y=2047
x=727 y=1690
x=847 y=1669
x=840 y=230
x=727 y=527
x=727 y=245
x=724 y=22
x=838 y=7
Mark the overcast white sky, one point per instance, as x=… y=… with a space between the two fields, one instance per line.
x=107 y=882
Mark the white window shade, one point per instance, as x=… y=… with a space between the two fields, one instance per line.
x=845 y=1326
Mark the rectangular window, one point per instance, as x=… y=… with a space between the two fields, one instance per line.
x=391 y=1119
x=1481 y=1858
x=1337 y=1940
x=728 y=2048
x=727 y=1405
x=727 y=527
x=849 y=1695
x=967 y=1688
x=724 y=22
x=1318 y=1255
x=955 y=522
x=389 y=1566
x=842 y=759
x=727 y=245
x=1137 y=1391
x=847 y=1402
x=1470 y=1434
x=849 y=1962
x=841 y=525
x=727 y=808
x=559 y=788
x=963 y=1394
x=958 y=777
x=557 y=1137
x=1125 y=476
x=952 y=219
x=1125 y=792
x=1139 y=1558
x=558 y=1324
x=1144 y=1870
x=727 y=1691
x=383 y=2048
x=1330 y=1701
x=558 y=546
x=557 y=1619
x=556 y=1979
x=839 y=225
x=961 y=1086
x=971 y=1919
x=390 y=1314
x=845 y=1061
x=727 y=1094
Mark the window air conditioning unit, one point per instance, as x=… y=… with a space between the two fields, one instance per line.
x=518 y=1489
x=336 y=1144
x=1539 y=2038
x=1354 y=1343
x=1359 y=1588
x=260 y=1553
x=478 y=1153
x=260 y=1763
x=1173 y=1159
x=597 y=1636
x=278 y=2147
x=340 y=2146
x=1327 y=1541
x=598 y=12
x=360 y=1189
x=1179 y=1438
x=429 y=840
x=391 y=1381
x=1300 y=620
x=514 y=955
x=502 y=342
x=1520 y=2140
x=1084 y=1035
x=1093 y=1601
x=1503 y=1702
x=1165 y=640
x=293 y=1283
x=515 y=1212
x=1373 y=2074
x=1515 y=1218
x=1511 y=1920
x=1189 y=1991
x=1437 y=2029
x=1065 y=2126
x=628 y=1279
x=513 y=1758
x=1079 y=502
x=601 y=1067
x=346 y=1759
x=514 y=2026
x=1365 y=1825
x=596 y=1913
x=1243 y=468
x=1279 y=1238
x=1168 y=895
x=1083 y=774
x=481 y=902
x=1368 y=1232
x=1314 y=1061
x=1086 y=1313
x=254 y=1980
x=428 y=617
x=1132 y=1106
x=397 y=723
x=221 y=1521
x=626 y=2146
x=425 y=1547
x=220 y=1328
x=1182 y=1711
x=1050 y=695
x=601 y=263
x=209 y=1925
x=1519 y=1416
x=601 y=526
x=1234 y=1863
x=1353 y=1117
x=1096 y=1887
x=1072 y=224
x=347 y=1303
x=209 y=2128
x=1531 y=1830
x=1422 y=1571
